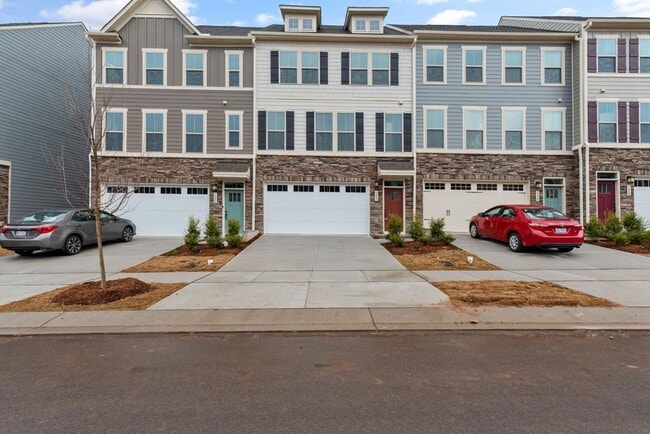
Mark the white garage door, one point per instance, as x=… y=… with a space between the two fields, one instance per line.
x=642 y=199
x=457 y=202
x=162 y=211
x=316 y=209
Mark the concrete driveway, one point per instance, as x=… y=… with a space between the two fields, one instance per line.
x=279 y=271
x=618 y=276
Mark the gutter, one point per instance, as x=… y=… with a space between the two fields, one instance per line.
x=255 y=138
x=585 y=211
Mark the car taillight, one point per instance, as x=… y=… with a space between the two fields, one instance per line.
x=45 y=229
x=538 y=226
x=4 y=229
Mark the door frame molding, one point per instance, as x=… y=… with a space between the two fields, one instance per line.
x=616 y=180
x=563 y=186
x=383 y=202
x=223 y=207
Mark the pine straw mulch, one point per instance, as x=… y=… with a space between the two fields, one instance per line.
x=119 y=294
x=5 y=252
x=519 y=294
x=438 y=256
x=639 y=249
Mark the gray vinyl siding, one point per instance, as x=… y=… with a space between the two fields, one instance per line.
x=176 y=100
x=36 y=129
x=577 y=102
x=494 y=95
x=169 y=33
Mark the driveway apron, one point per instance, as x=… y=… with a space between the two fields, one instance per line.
x=279 y=271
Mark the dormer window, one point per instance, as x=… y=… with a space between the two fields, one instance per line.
x=365 y=25
x=293 y=24
x=375 y=25
x=301 y=18
x=365 y=20
x=307 y=24
x=360 y=25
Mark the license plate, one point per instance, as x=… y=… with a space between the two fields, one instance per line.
x=20 y=233
x=560 y=230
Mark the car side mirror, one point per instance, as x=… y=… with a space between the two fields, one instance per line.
x=481 y=214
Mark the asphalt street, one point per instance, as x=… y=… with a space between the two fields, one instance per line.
x=380 y=382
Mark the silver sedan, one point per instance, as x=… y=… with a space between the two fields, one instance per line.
x=67 y=230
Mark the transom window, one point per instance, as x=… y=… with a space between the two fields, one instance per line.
x=513 y=128
x=474 y=125
x=114 y=66
x=288 y=67
x=513 y=66
x=435 y=65
x=115 y=130
x=155 y=68
x=474 y=59
x=553 y=64
x=155 y=131
x=435 y=128
x=194 y=69
x=233 y=133
x=644 y=55
x=606 y=55
x=393 y=132
x=553 y=124
x=359 y=68
x=607 y=122
x=644 y=122
x=194 y=132
x=276 y=130
x=234 y=69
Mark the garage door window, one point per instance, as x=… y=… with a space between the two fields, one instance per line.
x=144 y=190
x=275 y=187
x=330 y=189
x=355 y=189
x=513 y=187
x=170 y=190
x=303 y=188
x=197 y=190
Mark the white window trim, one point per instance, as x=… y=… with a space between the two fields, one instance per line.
x=125 y=77
x=301 y=23
x=268 y=130
x=523 y=65
x=144 y=66
x=144 y=130
x=386 y=132
x=239 y=53
x=105 y=129
x=204 y=53
x=204 y=113
x=367 y=25
x=475 y=108
x=565 y=145
x=424 y=127
x=543 y=50
x=615 y=102
x=484 y=74
x=641 y=101
x=444 y=63
x=627 y=53
x=369 y=67
x=240 y=113
x=640 y=38
x=521 y=110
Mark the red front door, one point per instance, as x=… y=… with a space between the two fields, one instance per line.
x=393 y=203
x=606 y=198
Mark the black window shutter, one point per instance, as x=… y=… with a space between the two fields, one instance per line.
x=394 y=69
x=275 y=67
x=324 y=74
x=290 y=134
x=358 y=131
x=622 y=55
x=261 y=130
x=379 y=132
x=592 y=55
x=407 y=133
x=622 y=122
x=310 y=131
x=345 y=67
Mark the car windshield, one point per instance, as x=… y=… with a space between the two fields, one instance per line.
x=544 y=213
x=43 y=217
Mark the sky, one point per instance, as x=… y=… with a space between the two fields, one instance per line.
x=95 y=13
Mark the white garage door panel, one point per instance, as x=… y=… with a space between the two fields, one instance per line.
x=316 y=212
x=642 y=202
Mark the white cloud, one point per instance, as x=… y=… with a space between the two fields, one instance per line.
x=1 y=3
x=635 y=8
x=237 y=23
x=430 y=2
x=474 y=1
x=565 y=12
x=265 y=18
x=452 y=16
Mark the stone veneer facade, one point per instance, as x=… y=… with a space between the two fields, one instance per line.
x=635 y=162
x=516 y=167
x=197 y=171
x=324 y=169
x=4 y=194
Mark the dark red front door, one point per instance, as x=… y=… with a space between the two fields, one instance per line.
x=606 y=198
x=393 y=203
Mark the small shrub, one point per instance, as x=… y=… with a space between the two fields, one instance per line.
x=192 y=234
x=437 y=231
x=395 y=224
x=633 y=222
x=233 y=237
x=212 y=233
x=396 y=239
x=613 y=225
x=620 y=238
x=416 y=231
x=594 y=228
x=638 y=237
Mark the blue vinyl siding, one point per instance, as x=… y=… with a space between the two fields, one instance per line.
x=494 y=95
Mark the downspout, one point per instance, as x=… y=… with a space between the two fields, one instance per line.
x=414 y=125
x=585 y=120
x=93 y=103
x=254 y=181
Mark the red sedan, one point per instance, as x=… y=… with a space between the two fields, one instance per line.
x=528 y=226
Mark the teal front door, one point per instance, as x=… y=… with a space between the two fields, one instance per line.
x=234 y=205
x=553 y=197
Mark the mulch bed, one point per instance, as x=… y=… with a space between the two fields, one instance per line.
x=630 y=248
x=205 y=250
x=416 y=248
x=436 y=256
x=92 y=293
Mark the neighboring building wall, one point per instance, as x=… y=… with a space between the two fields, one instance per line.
x=5 y=173
x=42 y=66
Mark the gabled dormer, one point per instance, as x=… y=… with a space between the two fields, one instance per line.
x=301 y=18
x=365 y=20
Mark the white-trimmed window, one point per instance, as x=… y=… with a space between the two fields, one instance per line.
x=345 y=128
x=324 y=127
x=553 y=135
x=364 y=25
x=275 y=130
x=644 y=122
x=114 y=65
x=307 y=24
x=474 y=127
x=194 y=131
x=298 y=24
x=381 y=69
x=154 y=130
x=374 y=26
x=293 y=24
x=606 y=55
x=474 y=65
x=359 y=25
x=644 y=55
x=514 y=65
x=288 y=67
x=194 y=62
x=552 y=66
x=155 y=66
x=358 y=68
x=309 y=67
x=435 y=64
x=393 y=127
x=514 y=128
x=233 y=68
x=234 y=129
x=115 y=131
x=606 y=122
x=435 y=126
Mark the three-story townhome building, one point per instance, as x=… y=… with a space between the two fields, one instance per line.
x=334 y=126
x=494 y=120
x=178 y=124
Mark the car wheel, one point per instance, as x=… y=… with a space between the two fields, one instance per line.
x=72 y=245
x=127 y=234
x=514 y=242
x=564 y=249
x=25 y=252
x=473 y=231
